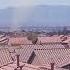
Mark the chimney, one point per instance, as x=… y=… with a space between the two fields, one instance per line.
x=17 y=60
x=52 y=66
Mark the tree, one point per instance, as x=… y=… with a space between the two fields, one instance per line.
x=33 y=37
x=34 y=41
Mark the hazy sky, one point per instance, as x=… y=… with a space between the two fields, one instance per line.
x=23 y=14
x=7 y=3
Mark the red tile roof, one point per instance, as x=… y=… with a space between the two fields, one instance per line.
x=60 y=57
x=28 y=67
x=19 y=41
x=46 y=40
x=5 y=57
x=3 y=40
x=49 y=46
x=25 y=52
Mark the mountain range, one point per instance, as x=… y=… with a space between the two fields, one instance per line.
x=40 y=15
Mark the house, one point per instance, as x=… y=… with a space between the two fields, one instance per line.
x=19 y=41
x=44 y=57
x=6 y=63
x=45 y=40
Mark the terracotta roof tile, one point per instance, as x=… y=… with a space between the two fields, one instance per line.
x=7 y=68
x=49 y=46
x=5 y=57
x=53 y=39
x=3 y=40
x=48 y=67
x=2 y=69
x=25 y=67
x=24 y=52
x=30 y=67
x=42 y=56
x=60 y=57
x=19 y=41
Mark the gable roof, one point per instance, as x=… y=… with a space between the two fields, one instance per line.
x=49 y=68
x=3 y=40
x=29 y=67
x=49 y=46
x=36 y=46
x=24 y=52
x=60 y=57
x=45 y=40
x=19 y=41
x=5 y=57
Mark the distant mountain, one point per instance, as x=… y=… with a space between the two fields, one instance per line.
x=50 y=15
x=41 y=15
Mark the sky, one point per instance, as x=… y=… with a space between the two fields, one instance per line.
x=27 y=10
x=16 y=3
